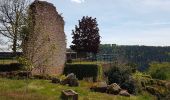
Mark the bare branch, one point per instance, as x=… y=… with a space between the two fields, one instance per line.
x=4 y=34
x=12 y=18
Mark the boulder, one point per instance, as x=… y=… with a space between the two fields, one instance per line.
x=152 y=90
x=71 y=80
x=55 y=80
x=71 y=75
x=124 y=93
x=99 y=87
x=113 y=89
x=167 y=85
x=161 y=82
x=69 y=95
x=167 y=97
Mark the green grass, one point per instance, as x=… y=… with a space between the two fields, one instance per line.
x=160 y=70
x=44 y=90
x=7 y=61
x=167 y=72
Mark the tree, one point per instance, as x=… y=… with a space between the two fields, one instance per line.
x=12 y=16
x=1 y=43
x=86 y=36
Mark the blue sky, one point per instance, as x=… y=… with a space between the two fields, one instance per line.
x=123 y=22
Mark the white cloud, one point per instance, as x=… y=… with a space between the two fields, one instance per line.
x=78 y=1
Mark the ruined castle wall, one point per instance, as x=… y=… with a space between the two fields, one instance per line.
x=45 y=45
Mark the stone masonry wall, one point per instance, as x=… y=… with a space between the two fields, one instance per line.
x=45 y=45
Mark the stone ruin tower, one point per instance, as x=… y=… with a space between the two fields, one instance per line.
x=45 y=44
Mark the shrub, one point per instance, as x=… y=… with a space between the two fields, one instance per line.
x=160 y=70
x=159 y=74
x=123 y=77
x=83 y=70
x=10 y=67
x=118 y=74
x=141 y=80
x=129 y=85
x=16 y=74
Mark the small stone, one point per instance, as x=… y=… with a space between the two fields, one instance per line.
x=71 y=80
x=71 y=76
x=124 y=93
x=113 y=89
x=69 y=95
x=167 y=85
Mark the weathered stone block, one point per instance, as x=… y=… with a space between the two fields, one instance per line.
x=69 y=95
x=124 y=93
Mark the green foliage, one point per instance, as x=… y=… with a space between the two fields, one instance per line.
x=83 y=70
x=118 y=74
x=160 y=74
x=100 y=72
x=133 y=67
x=153 y=86
x=122 y=76
x=130 y=85
x=10 y=67
x=141 y=80
x=140 y=55
x=160 y=70
x=26 y=63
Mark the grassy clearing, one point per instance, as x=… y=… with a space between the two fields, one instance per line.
x=44 y=90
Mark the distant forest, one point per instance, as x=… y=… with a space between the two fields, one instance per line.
x=140 y=55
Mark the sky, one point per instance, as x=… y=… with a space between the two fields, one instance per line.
x=122 y=22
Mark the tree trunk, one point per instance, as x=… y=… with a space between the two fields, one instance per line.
x=15 y=35
x=14 y=46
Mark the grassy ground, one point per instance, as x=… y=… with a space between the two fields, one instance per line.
x=7 y=61
x=167 y=72
x=44 y=90
x=11 y=89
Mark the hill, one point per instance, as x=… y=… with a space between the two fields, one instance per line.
x=140 y=55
